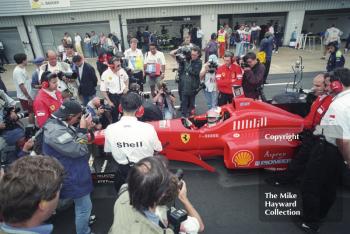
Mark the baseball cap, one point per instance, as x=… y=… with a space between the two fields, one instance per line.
x=69 y=107
x=38 y=60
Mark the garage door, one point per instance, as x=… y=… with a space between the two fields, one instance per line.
x=12 y=42
x=51 y=36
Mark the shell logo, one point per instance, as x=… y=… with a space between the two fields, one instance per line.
x=243 y=158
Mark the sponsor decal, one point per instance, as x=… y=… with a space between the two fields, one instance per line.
x=52 y=107
x=281 y=137
x=332 y=116
x=185 y=138
x=210 y=136
x=243 y=158
x=272 y=155
x=110 y=78
x=164 y=124
x=249 y=123
x=39 y=114
x=272 y=162
x=244 y=104
x=236 y=135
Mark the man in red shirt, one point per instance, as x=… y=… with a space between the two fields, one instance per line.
x=49 y=99
x=325 y=90
x=227 y=75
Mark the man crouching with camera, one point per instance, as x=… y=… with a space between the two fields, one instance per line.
x=140 y=206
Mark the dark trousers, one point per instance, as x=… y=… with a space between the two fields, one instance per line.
x=4 y=59
x=319 y=186
x=121 y=175
x=95 y=49
x=137 y=78
x=115 y=98
x=267 y=69
x=224 y=98
x=187 y=104
x=296 y=167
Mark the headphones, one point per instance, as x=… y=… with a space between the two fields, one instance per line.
x=46 y=77
x=140 y=110
x=336 y=86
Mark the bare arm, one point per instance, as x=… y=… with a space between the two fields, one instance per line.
x=25 y=92
x=344 y=148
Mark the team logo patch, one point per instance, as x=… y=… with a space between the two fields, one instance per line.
x=52 y=107
x=243 y=158
x=185 y=138
x=109 y=78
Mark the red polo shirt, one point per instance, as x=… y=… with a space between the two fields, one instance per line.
x=226 y=77
x=318 y=108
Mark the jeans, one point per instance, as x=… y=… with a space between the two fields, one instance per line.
x=83 y=207
x=86 y=99
x=239 y=49
x=88 y=50
x=212 y=99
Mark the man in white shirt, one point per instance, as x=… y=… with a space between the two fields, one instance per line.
x=200 y=35
x=154 y=66
x=328 y=158
x=65 y=86
x=130 y=140
x=332 y=34
x=114 y=83
x=23 y=85
x=134 y=57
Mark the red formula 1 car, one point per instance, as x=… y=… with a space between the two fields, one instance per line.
x=250 y=134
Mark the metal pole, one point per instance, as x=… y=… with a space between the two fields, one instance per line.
x=121 y=32
x=29 y=39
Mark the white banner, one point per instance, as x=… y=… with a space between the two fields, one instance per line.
x=42 y=4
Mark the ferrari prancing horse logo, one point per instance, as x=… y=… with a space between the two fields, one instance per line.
x=185 y=138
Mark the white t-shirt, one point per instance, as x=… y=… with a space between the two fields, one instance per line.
x=113 y=83
x=200 y=33
x=20 y=77
x=210 y=82
x=151 y=59
x=135 y=59
x=77 y=39
x=336 y=122
x=132 y=139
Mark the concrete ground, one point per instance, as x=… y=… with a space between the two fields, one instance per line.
x=281 y=64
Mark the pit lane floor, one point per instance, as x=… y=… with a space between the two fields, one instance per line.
x=228 y=201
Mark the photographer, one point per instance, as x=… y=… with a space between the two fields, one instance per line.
x=151 y=111
x=140 y=206
x=165 y=100
x=253 y=77
x=100 y=112
x=228 y=75
x=189 y=69
x=29 y=195
x=9 y=129
x=67 y=87
x=49 y=99
x=69 y=145
x=208 y=77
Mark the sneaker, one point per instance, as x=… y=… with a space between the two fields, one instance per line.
x=276 y=52
x=92 y=219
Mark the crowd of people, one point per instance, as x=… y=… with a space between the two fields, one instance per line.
x=60 y=98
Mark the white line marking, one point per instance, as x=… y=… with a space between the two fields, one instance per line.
x=276 y=84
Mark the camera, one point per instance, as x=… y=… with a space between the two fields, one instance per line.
x=104 y=106
x=201 y=86
x=10 y=123
x=94 y=119
x=165 y=89
x=135 y=88
x=175 y=218
x=183 y=54
x=68 y=75
x=212 y=67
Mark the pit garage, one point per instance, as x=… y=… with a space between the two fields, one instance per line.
x=51 y=35
x=316 y=22
x=12 y=42
x=167 y=30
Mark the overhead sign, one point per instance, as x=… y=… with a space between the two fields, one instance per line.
x=44 y=4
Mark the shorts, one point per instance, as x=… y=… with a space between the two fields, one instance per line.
x=25 y=106
x=153 y=81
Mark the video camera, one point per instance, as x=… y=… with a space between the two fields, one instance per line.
x=135 y=88
x=183 y=54
x=212 y=66
x=68 y=75
x=10 y=123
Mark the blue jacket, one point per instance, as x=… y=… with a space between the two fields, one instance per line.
x=266 y=45
x=336 y=59
x=88 y=80
x=67 y=145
